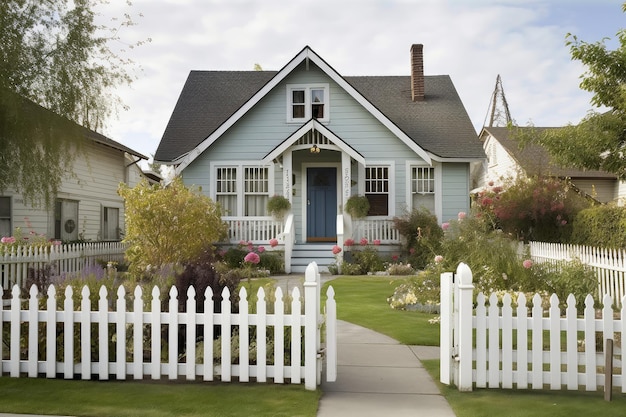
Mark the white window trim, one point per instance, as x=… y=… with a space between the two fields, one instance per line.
x=438 y=185
x=307 y=101
x=391 y=209
x=120 y=208
x=240 y=165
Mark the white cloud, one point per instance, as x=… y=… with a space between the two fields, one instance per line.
x=473 y=42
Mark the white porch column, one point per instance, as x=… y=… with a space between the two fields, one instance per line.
x=287 y=176
x=346 y=178
x=346 y=186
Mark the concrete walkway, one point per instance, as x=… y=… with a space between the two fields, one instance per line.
x=378 y=376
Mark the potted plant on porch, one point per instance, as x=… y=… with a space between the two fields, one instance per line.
x=278 y=206
x=357 y=206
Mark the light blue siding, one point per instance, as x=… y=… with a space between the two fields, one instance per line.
x=265 y=126
x=455 y=185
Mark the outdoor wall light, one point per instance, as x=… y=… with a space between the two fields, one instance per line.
x=315 y=149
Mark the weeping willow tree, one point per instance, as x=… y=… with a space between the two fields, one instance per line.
x=57 y=73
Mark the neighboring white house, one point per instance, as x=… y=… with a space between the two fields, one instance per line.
x=87 y=206
x=506 y=159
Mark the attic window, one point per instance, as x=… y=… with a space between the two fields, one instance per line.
x=307 y=101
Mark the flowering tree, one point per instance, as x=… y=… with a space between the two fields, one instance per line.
x=537 y=208
x=169 y=224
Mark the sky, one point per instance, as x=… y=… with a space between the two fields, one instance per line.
x=472 y=41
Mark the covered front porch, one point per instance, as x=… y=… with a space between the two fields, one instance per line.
x=260 y=230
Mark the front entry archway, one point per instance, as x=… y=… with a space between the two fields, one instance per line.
x=321 y=200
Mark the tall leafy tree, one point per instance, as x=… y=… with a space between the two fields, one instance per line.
x=57 y=71
x=598 y=141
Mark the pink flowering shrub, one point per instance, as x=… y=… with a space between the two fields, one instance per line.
x=349 y=242
x=539 y=208
x=252 y=258
x=273 y=242
x=527 y=264
x=336 y=250
x=363 y=241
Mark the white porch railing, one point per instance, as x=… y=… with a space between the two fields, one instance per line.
x=253 y=229
x=118 y=347
x=15 y=262
x=376 y=229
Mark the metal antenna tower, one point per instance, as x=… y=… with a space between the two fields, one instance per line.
x=499 y=108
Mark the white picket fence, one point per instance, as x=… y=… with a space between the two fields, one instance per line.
x=609 y=264
x=62 y=259
x=523 y=346
x=111 y=341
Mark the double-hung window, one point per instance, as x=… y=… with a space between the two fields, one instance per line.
x=110 y=223
x=306 y=102
x=5 y=217
x=226 y=189
x=377 y=189
x=242 y=190
x=256 y=189
x=423 y=187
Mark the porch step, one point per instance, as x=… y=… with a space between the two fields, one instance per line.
x=304 y=254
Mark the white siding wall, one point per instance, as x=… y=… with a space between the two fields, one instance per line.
x=500 y=164
x=94 y=186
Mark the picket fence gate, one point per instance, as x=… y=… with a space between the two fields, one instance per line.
x=499 y=346
x=111 y=344
x=609 y=264
x=16 y=261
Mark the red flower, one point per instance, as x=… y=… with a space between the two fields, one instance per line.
x=336 y=249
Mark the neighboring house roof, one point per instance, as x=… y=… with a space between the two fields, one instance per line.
x=437 y=127
x=99 y=138
x=534 y=159
x=33 y=110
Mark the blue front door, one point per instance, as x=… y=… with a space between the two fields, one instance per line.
x=321 y=204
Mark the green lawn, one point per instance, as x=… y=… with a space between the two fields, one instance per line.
x=362 y=300
x=154 y=399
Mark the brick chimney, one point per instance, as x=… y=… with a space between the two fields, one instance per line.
x=417 y=72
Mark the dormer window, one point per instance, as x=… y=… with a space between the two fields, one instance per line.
x=306 y=102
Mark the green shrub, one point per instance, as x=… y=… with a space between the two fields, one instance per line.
x=202 y=274
x=601 y=226
x=422 y=236
x=368 y=259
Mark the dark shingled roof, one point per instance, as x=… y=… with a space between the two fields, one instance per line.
x=536 y=160
x=439 y=124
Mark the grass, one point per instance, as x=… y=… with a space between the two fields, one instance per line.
x=362 y=300
x=154 y=399
x=527 y=403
